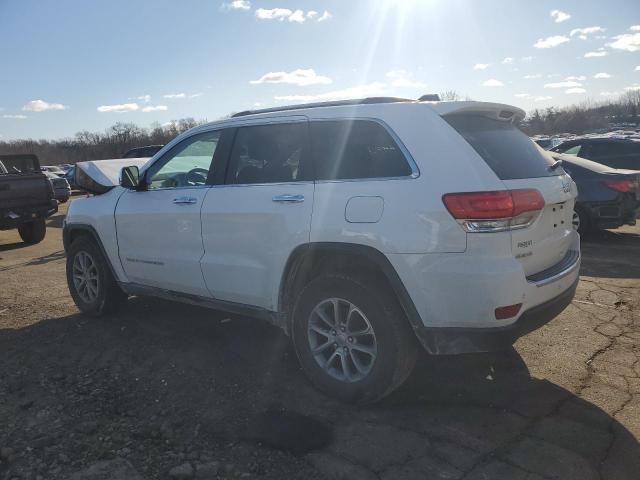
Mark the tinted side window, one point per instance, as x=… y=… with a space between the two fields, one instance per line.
x=269 y=154
x=350 y=149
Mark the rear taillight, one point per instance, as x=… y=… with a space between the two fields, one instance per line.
x=494 y=211
x=624 y=186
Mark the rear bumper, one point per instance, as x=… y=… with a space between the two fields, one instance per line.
x=447 y=341
x=453 y=297
x=13 y=218
x=613 y=214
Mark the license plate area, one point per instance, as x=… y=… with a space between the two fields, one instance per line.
x=558 y=216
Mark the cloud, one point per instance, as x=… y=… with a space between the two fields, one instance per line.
x=599 y=53
x=507 y=60
x=610 y=94
x=629 y=42
x=583 y=32
x=581 y=78
x=325 y=16
x=481 y=66
x=174 y=95
x=237 y=5
x=635 y=28
x=632 y=88
x=404 y=79
x=298 y=16
x=542 y=99
x=15 y=117
x=42 y=106
x=559 y=16
x=492 y=83
x=298 y=77
x=565 y=84
x=602 y=75
x=157 y=108
x=637 y=69
x=522 y=95
x=551 y=42
x=360 y=91
x=575 y=90
x=528 y=59
x=273 y=14
x=142 y=98
x=123 y=108
x=532 y=76
x=196 y=95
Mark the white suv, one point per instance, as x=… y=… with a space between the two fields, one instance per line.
x=362 y=228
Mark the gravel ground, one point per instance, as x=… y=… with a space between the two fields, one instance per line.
x=165 y=390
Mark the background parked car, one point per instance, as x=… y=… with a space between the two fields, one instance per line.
x=547 y=142
x=61 y=187
x=53 y=169
x=610 y=151
x=607 y=197
x=143 y=152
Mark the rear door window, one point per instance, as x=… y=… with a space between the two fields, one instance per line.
x=507 y=151
x=269 y=154
x=353 y=149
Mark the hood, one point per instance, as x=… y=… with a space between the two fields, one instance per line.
x=100 y=176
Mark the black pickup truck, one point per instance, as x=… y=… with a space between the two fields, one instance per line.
x=26 y=197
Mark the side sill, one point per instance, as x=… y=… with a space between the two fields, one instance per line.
x=269 y=316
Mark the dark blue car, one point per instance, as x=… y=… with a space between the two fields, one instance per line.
x=607 y=197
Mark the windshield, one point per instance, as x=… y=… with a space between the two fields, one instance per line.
x=508 y=151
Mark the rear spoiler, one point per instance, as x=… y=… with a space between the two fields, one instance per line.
x=497 y=111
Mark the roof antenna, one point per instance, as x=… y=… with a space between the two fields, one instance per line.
x=429 y=97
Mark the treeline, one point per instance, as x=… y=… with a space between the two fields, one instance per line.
x=623 y=112
x=112 y=143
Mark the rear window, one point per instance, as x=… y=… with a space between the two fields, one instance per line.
x=507 y=151
x=18 y=164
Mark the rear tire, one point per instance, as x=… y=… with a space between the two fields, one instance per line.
x=91 y=283
x=33 y=232
x=342 y=360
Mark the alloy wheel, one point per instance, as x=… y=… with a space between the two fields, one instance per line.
x=85 y=277
x=342 y=340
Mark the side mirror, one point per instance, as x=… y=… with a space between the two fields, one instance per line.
x=130 y=177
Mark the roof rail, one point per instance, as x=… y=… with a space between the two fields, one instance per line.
x=340 y=103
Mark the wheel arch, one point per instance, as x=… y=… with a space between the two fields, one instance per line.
x=73 y=231
x=310 y=260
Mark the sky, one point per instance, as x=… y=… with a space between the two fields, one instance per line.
x=72 y=65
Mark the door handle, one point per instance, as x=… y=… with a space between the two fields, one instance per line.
x=184 y=201
x=288 y=198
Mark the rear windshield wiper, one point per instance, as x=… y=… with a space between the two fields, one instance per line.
x=555 y=165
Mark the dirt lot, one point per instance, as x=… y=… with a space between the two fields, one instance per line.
x=166 y=390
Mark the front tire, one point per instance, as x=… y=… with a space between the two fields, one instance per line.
x=90 y=281
x=33 y=232
x=352 y=338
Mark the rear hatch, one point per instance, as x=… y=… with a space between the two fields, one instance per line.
x=22 y=183
x=521 y=164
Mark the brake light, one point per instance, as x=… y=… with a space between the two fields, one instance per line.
x=494 y=211
x=624 y=186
